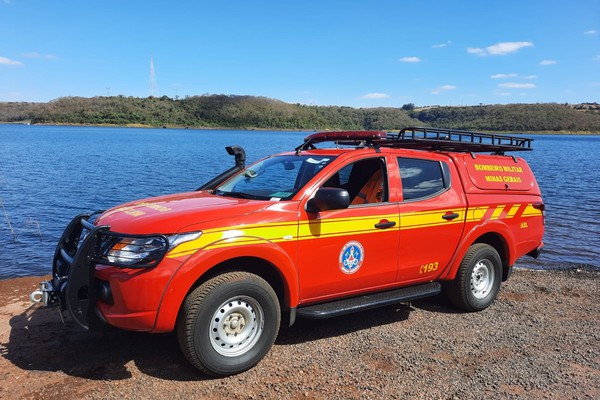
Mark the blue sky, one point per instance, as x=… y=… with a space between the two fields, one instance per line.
x=348 y=53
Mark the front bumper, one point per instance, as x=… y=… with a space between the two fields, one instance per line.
x=73 y=284
x=95 y=294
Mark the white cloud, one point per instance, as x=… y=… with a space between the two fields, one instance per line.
x=476 y=50
x=503 y=76
x=441 y=45
x=547 y=62
x=591 y=32
x=504 y=94
x=375 y=96
x=410 y=59
x=499 y=49
x=38 y=55
x=516 y=85
x=596 y=57
x=443 y=88
x=530 y=77
x=507 y=47
x=8 y=61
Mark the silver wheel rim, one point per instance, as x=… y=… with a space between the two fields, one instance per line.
x=236 y=326
x=482 y=278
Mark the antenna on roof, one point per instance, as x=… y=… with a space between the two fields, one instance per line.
x=152 y=85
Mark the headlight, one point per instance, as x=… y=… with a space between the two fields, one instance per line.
x=138 y=252
x=176 y=240
x=133 y=252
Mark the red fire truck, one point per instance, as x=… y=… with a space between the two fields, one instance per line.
x=345 y=222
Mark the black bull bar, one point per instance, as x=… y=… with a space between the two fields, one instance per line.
x=73 y=285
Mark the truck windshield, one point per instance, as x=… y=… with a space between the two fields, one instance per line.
x=274 y=178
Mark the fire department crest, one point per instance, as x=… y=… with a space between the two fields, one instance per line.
x=351 y=257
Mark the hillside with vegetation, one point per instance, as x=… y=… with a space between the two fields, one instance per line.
x=514 y=118
x=249 y=112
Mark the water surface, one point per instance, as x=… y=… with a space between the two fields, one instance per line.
x=50 y=174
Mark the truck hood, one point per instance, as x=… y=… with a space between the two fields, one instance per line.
x=173 y=213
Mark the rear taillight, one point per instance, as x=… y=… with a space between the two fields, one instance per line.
x=539 y=206
x=542 y=207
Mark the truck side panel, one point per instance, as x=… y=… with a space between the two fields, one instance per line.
x=504 y=202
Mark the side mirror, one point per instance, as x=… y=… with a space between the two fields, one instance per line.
x=328 y=198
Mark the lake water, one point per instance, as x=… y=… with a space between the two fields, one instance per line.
x=50 y=174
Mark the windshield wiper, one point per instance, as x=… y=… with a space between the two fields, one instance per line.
x=240 y=195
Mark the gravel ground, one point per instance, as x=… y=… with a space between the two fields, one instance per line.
x=539 y=340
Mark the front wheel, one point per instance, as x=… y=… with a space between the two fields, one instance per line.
x=229 y=323
x=478 y=279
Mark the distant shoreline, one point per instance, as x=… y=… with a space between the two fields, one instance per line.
x=141 y=126
x=260 y=113
x=251 y=129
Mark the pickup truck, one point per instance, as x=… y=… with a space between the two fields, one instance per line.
x=345 y=222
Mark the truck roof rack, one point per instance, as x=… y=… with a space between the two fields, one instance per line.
x=422 y=138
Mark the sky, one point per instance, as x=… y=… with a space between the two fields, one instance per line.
x=371 y=53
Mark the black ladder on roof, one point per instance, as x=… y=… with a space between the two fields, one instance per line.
x=423 y=138
x=456 y=140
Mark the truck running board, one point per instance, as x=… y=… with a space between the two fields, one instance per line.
x=366 y=302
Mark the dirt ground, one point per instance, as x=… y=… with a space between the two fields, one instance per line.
x=540 y=339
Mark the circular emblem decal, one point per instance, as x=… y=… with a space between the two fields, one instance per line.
x=351 y=257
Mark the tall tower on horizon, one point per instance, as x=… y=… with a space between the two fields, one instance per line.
x=152 y=87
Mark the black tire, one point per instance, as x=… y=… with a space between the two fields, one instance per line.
x=229 y=323
x=478 y=279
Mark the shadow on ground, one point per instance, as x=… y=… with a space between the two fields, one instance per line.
x=38 y=341
x=305 y=330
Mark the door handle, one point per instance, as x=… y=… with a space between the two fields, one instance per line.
x=384 y=224
x=450 y=216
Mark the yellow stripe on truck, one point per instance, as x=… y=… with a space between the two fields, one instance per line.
x=497 y=212
x=237 y=235
x=254 y=234
x=476 y=214
x=344 y=226
x=244 y=235
x=430 y=218
x=530 y=211
x=513 y=210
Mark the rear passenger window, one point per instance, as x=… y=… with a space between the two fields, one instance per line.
x=422 y=178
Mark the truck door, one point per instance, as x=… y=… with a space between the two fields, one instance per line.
x=354 y=249
x=432 y=215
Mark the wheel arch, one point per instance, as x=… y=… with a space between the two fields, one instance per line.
x=497 y=236
x=254 y=265
x=498 y=242
x=266 y=260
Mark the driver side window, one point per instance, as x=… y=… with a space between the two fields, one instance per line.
x=365 y=181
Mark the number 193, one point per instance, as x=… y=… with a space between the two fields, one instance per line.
x=425 y=268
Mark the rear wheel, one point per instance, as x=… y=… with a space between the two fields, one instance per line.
x=478 y=279
x=229 y=323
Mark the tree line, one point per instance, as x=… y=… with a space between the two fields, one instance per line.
x=250 y=112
